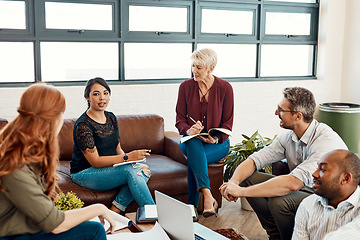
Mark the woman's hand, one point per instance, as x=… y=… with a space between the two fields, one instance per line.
x=138 y=154
x=195 y=129
x=108 y=216
x=76 y=216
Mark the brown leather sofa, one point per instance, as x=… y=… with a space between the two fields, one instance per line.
x=167 y=163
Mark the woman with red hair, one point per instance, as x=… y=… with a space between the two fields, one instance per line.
x=29 y=155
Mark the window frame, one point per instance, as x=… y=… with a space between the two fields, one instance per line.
x=228 y=38
x=36 y=32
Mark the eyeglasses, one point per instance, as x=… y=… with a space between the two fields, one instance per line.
x=279 y=109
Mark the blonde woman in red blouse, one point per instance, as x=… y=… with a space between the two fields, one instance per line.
x=204 y=102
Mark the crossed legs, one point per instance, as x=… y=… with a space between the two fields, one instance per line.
x=199 y=155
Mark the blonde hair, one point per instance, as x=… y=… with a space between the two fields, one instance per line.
x=32 y=136
x=204 y=57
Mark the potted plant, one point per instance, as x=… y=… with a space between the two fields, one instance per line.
x=68 y=201
x=240 y=152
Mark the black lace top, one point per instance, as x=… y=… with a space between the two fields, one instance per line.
x=88 y=134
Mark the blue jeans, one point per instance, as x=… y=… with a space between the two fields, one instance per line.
x=130 y=177
x=199 y=155
x=83 y=231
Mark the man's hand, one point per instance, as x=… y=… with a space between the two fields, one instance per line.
x=231 y=191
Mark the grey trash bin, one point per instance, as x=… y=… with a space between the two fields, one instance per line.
x=344 y=118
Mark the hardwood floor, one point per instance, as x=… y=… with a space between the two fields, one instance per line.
x=231 y=215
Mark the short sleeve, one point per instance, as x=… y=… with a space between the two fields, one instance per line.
x=305 y=169
x=116 y=124
x=26 y=194
x=84 y=136
x=273 y=153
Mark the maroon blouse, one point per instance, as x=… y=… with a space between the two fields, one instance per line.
x=217 y=112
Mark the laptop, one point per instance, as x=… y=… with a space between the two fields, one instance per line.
x=176 y=219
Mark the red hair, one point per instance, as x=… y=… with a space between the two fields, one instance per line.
x=32 y=136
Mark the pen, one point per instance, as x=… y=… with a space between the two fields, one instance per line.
x=192 y=119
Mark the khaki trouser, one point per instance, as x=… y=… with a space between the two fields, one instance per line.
x=276 y=214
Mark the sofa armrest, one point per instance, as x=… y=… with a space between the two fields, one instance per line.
x=172 y=147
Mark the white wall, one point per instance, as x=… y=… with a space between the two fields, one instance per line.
x=351 y=70
x=255 y=102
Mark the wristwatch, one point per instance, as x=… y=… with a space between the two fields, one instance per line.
x=125 y=157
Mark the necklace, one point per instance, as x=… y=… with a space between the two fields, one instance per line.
x=203 y=96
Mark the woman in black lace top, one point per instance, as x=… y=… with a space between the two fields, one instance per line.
x=97 y=148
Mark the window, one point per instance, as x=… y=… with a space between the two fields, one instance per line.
x=72 y=61
x=222 y=21
x=78 y=16
x=286 y=60
x=157 y=60
x=167 y=19
x=10 y=57
x=278 y=23
x=12 y=15
x=141 y=41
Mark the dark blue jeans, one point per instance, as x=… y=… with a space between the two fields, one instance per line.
x=199 y=155
x=83 y=231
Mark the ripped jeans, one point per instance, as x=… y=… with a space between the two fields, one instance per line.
x=131 y=177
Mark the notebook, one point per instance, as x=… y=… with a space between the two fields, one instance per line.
x=176 y=219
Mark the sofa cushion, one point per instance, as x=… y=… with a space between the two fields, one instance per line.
x=141 y=131
x=164 y=170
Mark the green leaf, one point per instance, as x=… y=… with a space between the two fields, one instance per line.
x=241 y=151
x=244 y=136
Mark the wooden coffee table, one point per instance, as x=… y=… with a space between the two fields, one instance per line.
x=140 y=227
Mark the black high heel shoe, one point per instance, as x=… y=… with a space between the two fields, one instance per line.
x=213 y=211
